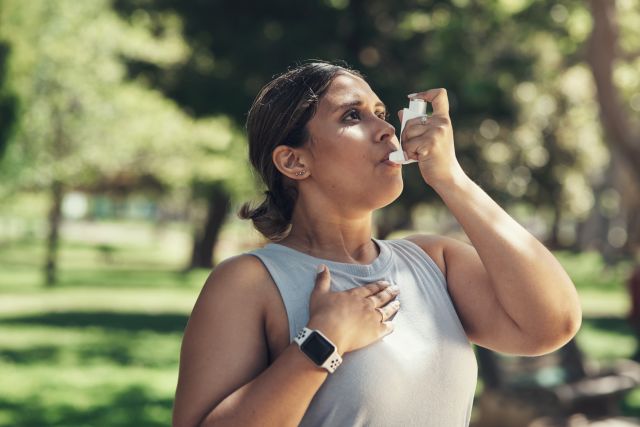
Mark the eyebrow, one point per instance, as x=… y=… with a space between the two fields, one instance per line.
x=358 y=103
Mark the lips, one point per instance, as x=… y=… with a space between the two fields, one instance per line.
x=386 y=157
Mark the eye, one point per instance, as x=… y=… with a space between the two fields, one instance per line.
x=383 y=115
x=352 y=115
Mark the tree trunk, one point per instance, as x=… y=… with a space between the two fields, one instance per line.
x=206 y=237
x=602 y=51
x=8 y=104
x=553 y=241
x=55 y=216
x=633 y=228
x=629 y=190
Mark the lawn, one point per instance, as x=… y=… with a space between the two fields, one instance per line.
x=101 y=348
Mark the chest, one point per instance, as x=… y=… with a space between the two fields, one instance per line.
x=424 y=373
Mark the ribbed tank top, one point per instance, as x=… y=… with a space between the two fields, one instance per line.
x=422 y=374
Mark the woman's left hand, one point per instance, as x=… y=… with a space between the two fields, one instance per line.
x=431 y=142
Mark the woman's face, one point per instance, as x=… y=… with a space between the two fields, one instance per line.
x=350 y=144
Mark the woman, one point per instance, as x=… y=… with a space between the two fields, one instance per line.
x=400 y=313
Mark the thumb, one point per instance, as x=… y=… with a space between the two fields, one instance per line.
x=323 y=280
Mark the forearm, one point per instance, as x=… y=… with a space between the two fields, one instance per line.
x=528 y=281
x=279 y=396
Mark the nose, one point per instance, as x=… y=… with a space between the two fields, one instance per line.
x=385 y=132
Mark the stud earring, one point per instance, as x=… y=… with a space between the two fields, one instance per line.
x=300 y=173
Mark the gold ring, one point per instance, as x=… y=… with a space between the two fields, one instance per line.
x=379 y=310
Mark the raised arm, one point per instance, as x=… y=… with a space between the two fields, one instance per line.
x=511 y=293
x=225 y=379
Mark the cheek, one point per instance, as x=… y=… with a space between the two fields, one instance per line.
x=344 y=151
x=355 y=144
x=345 y=159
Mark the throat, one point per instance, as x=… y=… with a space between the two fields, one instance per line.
x=363 y=254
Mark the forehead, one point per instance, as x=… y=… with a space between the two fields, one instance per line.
x=347 y=88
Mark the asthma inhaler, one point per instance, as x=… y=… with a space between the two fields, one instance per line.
x=417 y=108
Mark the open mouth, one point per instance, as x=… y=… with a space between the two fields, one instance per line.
x=386 y=157
x=391 y=163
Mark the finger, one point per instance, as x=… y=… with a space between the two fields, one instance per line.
x=411 y=145
x=433 y=124
x=432 y=127
x=388 y=310
x=421 y=121
x=438 y=99
x=428 y=121
x=383 y=297
x=413 y=128
x=419 y=144
x=371 y=288
x=323 y=280
x=416 y=149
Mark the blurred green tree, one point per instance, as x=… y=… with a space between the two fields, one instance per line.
x=507 y=66
x=84 y=124
x=402 y=47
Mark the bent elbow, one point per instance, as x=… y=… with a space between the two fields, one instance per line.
x=570 y=325
x=556 y=337
x=574 y=323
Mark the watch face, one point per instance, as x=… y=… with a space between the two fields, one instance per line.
x=317 y=348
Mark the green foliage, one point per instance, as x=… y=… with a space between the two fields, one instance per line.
x=84 y=123
x=522 y=96
x=523 y=102
x=602 y=287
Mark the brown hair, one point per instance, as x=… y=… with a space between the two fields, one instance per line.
x=279 y=116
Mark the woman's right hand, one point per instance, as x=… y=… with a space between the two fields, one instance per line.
x=351 y=319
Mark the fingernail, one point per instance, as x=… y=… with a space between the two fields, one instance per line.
x=395 y=288
x=396 y=303
x=384 y=282
x=320 y=268
x=411 y=95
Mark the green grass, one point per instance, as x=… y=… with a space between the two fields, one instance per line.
x=102 y=347
x=89 y=367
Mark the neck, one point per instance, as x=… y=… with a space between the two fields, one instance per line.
x=330 y=235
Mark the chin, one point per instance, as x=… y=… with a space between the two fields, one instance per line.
x=389 y=193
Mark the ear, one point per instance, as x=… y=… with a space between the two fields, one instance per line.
x=290 y=162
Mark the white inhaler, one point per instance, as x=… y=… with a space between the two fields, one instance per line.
x=417 y=108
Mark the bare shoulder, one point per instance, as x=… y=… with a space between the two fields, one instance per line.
x=434 y=245
x=244 y=268
x=224 y=345
x=241 y=275
x=233 y=293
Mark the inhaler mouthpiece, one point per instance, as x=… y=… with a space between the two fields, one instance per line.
x=398 y=157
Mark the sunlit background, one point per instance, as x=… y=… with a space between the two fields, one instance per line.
x=123 y=162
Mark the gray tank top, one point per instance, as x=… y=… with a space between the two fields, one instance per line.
x=423 y=374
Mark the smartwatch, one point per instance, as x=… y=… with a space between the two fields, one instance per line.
x=318 y=348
